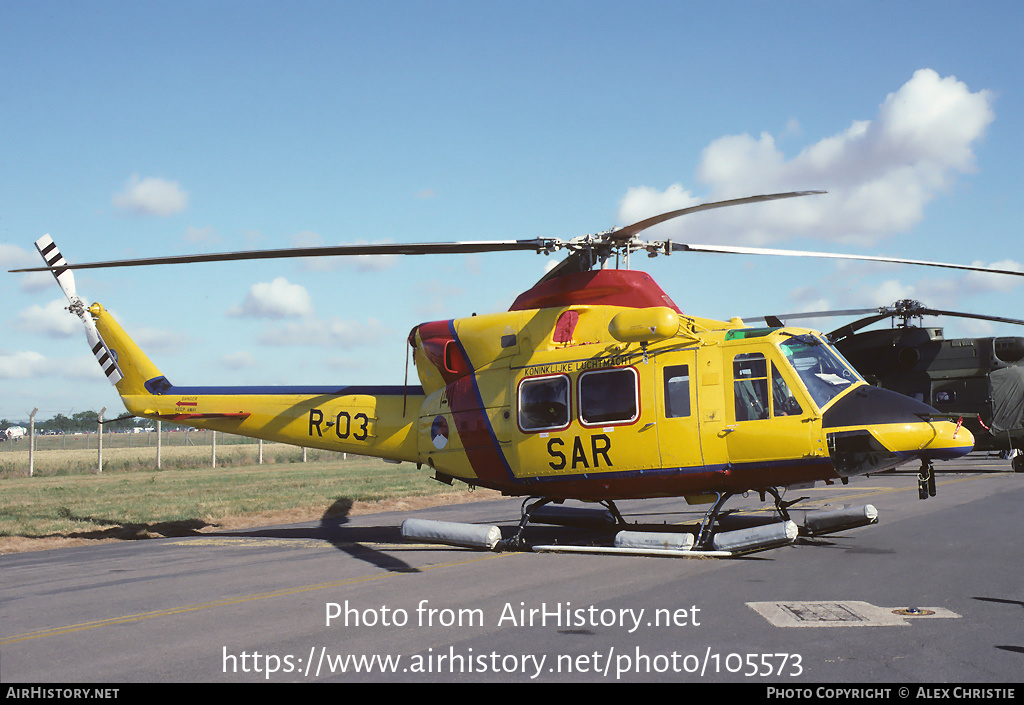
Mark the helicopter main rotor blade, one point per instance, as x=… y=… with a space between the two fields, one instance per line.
x=631 y=230
x=584 y=259
x=735 y=250
x=896 y=311
x=889 y=312
x=423 y=248
x=851 y=328
x=813 y=314
x=958 y=314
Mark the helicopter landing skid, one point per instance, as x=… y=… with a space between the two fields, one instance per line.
x=704 y=534
x=636 y=540
x=516 y=542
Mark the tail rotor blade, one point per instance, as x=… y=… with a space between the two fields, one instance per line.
x=104 y=356
x=55 y=260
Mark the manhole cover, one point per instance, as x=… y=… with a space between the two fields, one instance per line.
x=846 y=613
x=821 y=612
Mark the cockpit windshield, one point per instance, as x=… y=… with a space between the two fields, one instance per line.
x=822 y=370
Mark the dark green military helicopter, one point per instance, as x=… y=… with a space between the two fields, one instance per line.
x=978 y=379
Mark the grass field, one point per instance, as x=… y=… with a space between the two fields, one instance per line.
x=67 y=500
x=49 y=459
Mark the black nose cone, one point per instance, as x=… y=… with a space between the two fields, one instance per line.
x=872 y=429
x=874 y=405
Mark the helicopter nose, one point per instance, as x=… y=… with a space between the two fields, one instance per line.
x=873 y=429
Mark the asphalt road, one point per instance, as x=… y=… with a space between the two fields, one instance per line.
x=349 y=601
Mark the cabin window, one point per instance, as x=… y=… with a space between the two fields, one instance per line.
x=609 y=396
x=677 y=391
x=750 y=386
x=544 y=403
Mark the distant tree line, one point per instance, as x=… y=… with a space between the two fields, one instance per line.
x=83 y=421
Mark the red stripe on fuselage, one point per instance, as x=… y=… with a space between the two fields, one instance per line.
x=477 y=436
x=443 y=349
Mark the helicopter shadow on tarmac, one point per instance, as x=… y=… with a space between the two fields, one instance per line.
x=362 y=542
x=356 y=541
x=997 y=600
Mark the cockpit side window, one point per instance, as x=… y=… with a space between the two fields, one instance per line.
x=783 y=401
x=751 y=389
x=821 y=369
x=750 y=386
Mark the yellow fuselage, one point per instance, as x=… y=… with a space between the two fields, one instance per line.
x=594 y=386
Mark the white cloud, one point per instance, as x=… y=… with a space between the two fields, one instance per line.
x=21 y=365
x=976 y=282
x=307 y=238
x=157 y=339
x=201 y=236
x=886 y=293
x=14 y=257
x=362 y=263
x=238 y=361
x=36 y=281
x=880 y=174
x=53 y=320
x=954 y=291
x=434 y=298
x=643 y=202
x=254 y=238
x=276 y=299
x=332 y=333
x=857 y=285
x=151 y=196
x=28 y=364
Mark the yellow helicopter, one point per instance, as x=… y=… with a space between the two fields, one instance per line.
x=593 y=386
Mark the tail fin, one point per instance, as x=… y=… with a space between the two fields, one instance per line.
x=368 y=420
x=136 y=369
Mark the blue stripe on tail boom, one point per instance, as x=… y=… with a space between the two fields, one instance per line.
x=161 y=386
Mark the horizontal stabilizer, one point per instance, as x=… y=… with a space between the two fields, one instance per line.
x=190 y=416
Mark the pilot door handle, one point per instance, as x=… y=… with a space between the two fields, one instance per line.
x=728 y=429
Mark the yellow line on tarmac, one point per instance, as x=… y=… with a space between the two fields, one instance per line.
x=124 y=619
x=862 y=492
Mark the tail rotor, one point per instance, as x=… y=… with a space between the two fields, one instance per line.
x=66 y=279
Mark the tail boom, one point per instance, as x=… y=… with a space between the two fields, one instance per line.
x=347 y=420
x=365 y=420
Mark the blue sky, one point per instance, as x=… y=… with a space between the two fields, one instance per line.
x=132 y=129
